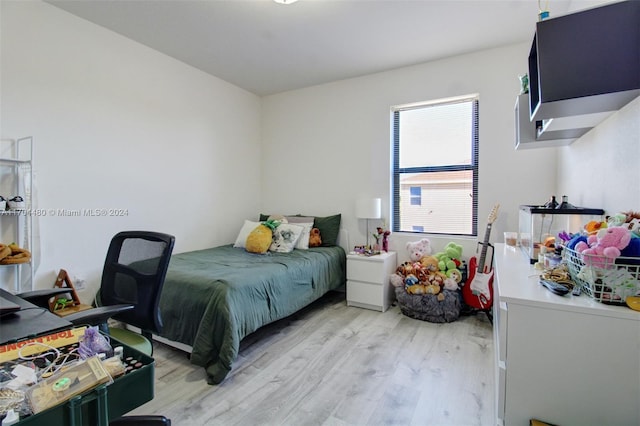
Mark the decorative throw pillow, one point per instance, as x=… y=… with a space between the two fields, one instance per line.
x=246 y=229
x=299 y=219
x=303 y=241
x=285 y=238
x=329 y=227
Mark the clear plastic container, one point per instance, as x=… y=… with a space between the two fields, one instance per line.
x=539 y=225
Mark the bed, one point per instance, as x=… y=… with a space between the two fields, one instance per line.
x=213 y=298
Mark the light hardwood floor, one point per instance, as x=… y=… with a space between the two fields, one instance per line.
x=330 y=364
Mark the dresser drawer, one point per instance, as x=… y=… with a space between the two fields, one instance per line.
x=360 y=293
x=366 y=270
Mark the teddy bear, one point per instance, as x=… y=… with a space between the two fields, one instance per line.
x=606 y=243
x=418 y=249
x=429 y=263
x=314 y=238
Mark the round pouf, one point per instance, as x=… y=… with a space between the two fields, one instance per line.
x=427 y=307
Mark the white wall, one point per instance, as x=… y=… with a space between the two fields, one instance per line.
x=118 y=125
x=602 y=169
x=325 y=146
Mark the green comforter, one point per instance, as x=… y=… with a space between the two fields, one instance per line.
x=215 y=297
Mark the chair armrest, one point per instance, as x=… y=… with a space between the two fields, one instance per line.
x=96 y=316
x=41 y=297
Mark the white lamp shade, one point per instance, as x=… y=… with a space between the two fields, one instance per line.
x=369 y=208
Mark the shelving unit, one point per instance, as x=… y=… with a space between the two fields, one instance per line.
x=16 y=178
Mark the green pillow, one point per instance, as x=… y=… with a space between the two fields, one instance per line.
x=329 y=227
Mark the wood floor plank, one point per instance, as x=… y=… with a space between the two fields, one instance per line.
x=330 y=364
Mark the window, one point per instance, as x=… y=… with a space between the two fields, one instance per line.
x=416 y=195
x=435 y=167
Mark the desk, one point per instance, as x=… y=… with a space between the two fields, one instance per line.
x=568 y=360
x=29 y=322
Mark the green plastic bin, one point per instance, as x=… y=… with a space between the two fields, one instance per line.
x=105 y=402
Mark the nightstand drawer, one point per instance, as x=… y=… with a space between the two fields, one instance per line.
x=359 y=293
x=367 y=270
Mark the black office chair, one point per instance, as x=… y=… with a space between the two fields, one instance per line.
x=41 y=297
x=130 y=289
x=132 y=280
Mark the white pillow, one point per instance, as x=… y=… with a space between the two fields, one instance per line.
x=285 y=238
x=248 y=226
x=303 y=241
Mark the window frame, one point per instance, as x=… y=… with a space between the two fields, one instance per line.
x=396 y=171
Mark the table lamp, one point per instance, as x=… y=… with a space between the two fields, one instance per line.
x=369 y=208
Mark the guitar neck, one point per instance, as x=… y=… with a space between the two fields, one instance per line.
x=483 y=253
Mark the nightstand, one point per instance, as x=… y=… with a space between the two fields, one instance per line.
x=368 y=280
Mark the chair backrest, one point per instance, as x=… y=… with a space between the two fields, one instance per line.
x=134 y=273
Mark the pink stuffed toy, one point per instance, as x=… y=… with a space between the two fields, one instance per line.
x=606 y=243
x=418 y=249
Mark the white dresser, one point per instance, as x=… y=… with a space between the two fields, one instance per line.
x=368 y=280
x=565 y=360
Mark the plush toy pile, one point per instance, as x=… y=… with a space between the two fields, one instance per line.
x=605 y=259
x=427 y=286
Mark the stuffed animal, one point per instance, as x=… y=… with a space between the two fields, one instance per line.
x=396 y=280
x=411 y=280
x=633 y=249
x=634 y=226
x=435 y=290
x=455 y=275
x=450 y=259
x=575 y=240
x=432 y=289
x=594 y=226
x=259 y=240
x=430 y=263
x=451 y=284
x=405 y=269
x=417 y=289
x=314 y=238
x=418 y=249
x=617 y=219
x=607 y=243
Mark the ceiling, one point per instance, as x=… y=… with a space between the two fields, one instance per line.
x=269 y=48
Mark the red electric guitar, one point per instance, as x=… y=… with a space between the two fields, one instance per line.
x=478 y=290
